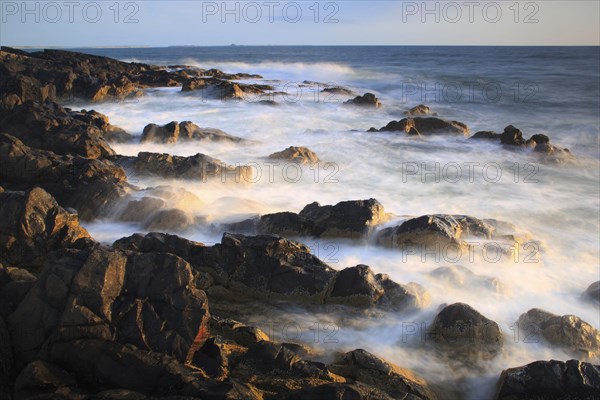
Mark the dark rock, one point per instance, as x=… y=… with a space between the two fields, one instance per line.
x=419 y=110
x=442 y=230
x=552 y=380
x=353 y=391
x=197 y=167
x=512 y=136
x=425 y=126
x=32 y=225
x=272 y=268
x=14 y=285
x=338 y=90
x=486 y=135
x=301 y=155
x=428 y=229
x=360 y=287
x=172 y=220
x=347 y=219
x=366 y=100
x=593 y=292
x=568 y=331
x=540 y=139
x=362 y=366
x=49 y=126
x=90 y=186
x=462 y=331
x=140 y=210
x=174 y=132
x=6 y=361
x=240 y=333
x=147 y=300
x=40 y=379
x=192 y=84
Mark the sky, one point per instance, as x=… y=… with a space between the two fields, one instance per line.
x=281 y=22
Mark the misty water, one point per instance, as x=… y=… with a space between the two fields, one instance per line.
x=547 y=90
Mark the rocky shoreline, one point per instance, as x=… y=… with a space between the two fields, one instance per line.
x=143 y=317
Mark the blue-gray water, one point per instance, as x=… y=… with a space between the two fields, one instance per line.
x=551 y=90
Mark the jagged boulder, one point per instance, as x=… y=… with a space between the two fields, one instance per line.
x=419 y=110
x=366 y=100
x=362 y=366
x=568 y=331
x=90 y=186
x=49 y=126
x=425 y=126
x=301 y=155
x=32 y=224
x=174 y=132
x=461 y=331
x=552 y=380
x=347 y=219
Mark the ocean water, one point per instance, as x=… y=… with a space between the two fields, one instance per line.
x=550 y=90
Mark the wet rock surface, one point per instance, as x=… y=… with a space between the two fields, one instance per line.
x=550 y=380
x=90 y=186
x=272 y=268
x=366 y=100
x=567 y=331
x=198 y=167
x=300 y=155
x=174 y=132
x=424 y=126
x=348 y=219
x=461 y=331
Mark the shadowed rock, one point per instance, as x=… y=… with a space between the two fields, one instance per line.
x=49 y=126
x=462 y=331
x=552 y=380
x=174 y=132
x=425 y=126
x=366 y=100
x=90 y=186
x=272 y=268
x=32 y=224
x=360 y=365
x=593 y=292
x=197 y=167
x=347 y=219
x=419 y=110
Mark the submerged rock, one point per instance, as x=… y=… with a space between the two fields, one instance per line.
x=486 y=135
x=462 y=331
x=552 y=380
x=568 y=331
x=301 y=155
x=593 y=292
x=459 y=276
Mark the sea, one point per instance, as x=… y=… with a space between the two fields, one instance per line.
x=549 y=90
